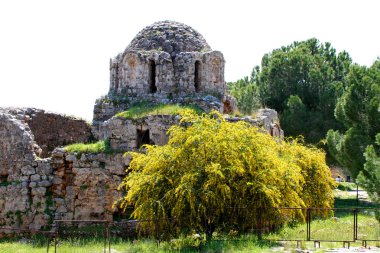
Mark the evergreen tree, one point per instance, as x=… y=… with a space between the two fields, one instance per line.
x=359 y=110
x=314 y=73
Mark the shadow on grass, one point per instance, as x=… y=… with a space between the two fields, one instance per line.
x=353 y=203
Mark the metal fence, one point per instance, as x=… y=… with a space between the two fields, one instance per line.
x=344 y=225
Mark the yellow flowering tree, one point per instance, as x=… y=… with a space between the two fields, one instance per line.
x=214 y=173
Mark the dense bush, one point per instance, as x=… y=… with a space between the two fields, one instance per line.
x=210 y=165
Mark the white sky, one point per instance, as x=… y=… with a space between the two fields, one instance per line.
x=54 y=55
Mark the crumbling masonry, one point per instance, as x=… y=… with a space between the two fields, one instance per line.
x=166 y=63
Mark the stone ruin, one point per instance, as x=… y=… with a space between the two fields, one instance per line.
x=166 y=63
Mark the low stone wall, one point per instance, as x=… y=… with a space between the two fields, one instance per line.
x=65 y=186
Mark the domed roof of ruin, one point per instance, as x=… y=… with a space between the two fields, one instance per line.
x=169 y=36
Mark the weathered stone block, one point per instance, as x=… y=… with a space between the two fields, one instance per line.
x=35 y=178
x=45 y=183
x=28 y=170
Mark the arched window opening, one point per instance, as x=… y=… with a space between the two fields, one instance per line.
x=197 y=76
x=152 y=77
x=143 y=138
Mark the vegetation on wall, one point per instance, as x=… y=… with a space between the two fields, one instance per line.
x=145 y=109
x=210 y=164
x=102 y=146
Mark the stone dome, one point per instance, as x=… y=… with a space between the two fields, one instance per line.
x=169 y=36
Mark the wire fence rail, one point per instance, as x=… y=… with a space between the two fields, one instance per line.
x=346 y=225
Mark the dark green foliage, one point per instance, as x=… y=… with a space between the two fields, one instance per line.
x=246 y=93
x=302 y=82
x=369 y=177
x=294 y=113
x=359 y=110
x=348 y=148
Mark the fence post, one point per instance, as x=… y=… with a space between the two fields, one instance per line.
x=355 y=224
x=308 y=223
x=157 y=229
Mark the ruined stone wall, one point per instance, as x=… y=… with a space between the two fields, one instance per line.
x=106 y=107
x=85 y=185
x=129 y=135
x=34 y=191
x=26 y=196
x=52 y=130
x=25 y=181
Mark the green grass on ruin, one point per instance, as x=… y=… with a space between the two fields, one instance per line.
x=142 y=110
x=102 y=146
